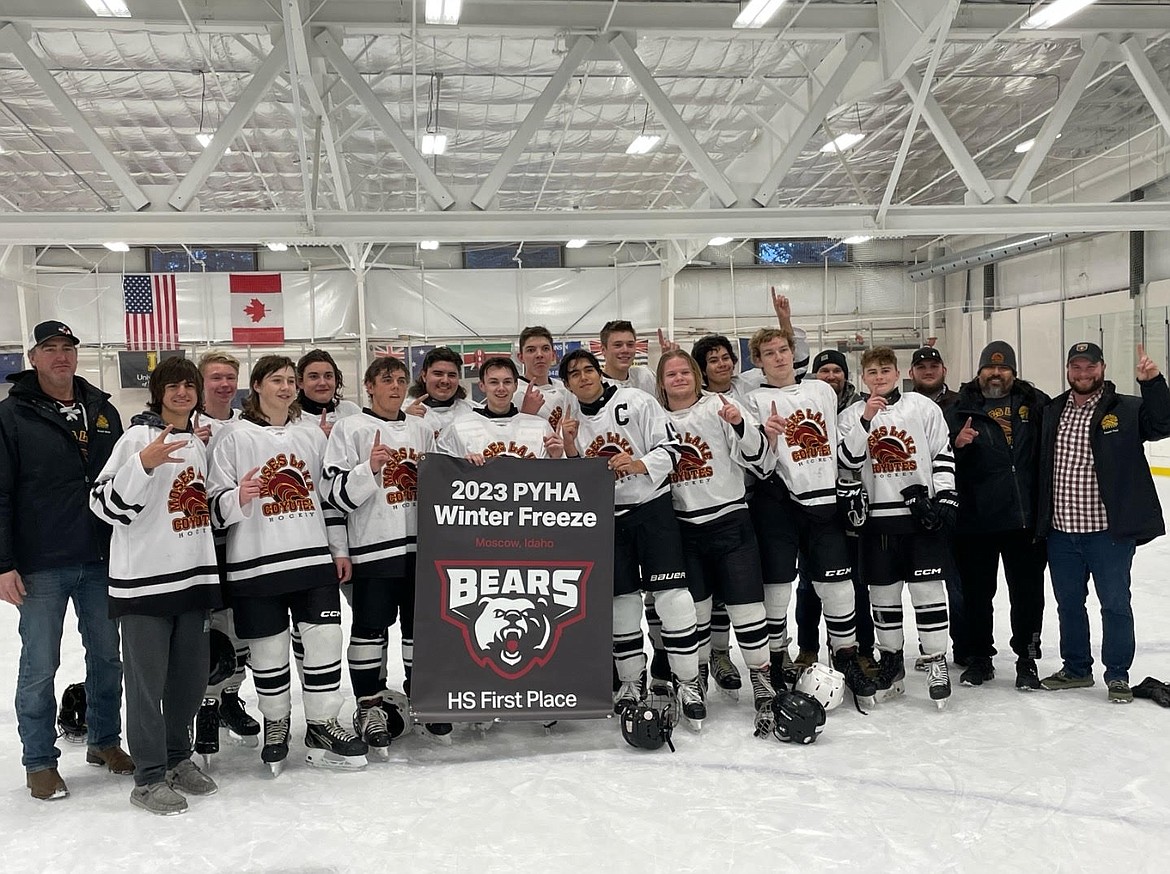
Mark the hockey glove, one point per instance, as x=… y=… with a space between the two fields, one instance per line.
x=946 y=507
x=852 y=503
x=917 y=498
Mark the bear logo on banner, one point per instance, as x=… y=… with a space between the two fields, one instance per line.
x=512 y=614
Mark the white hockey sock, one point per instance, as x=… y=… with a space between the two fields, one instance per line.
x=321 y=681
x=886 y=602
x=703 y=627
x=270 y=673
x=751 y=631
x=653 y=623
x=776 y=599
x=720 y=628
x=628 y=656
x=680 y=637
x=930 y=615
x=837 y=602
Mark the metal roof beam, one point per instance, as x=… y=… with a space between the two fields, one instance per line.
x=711 y=175
x=1147 y=78
x=11 y=41
x=402 y=143
x=336 y=227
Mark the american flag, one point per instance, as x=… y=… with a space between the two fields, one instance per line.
x=152 y=316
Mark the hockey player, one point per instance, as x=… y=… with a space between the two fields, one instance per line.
x=163 y=581
x=498 y=428
x=537 y=393
x=899 y=443
x=371 y=474
x=222 y=705
x=630 y=429
x=319 y=384
x=264 y=487
x=438 y=396
x=720 y=441
x=794 y=508
x=619 y=345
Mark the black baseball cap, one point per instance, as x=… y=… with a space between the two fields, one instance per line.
x=926 y=353
x=1091 y=351
x=46 y=331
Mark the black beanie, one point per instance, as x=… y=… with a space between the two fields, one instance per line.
x=830 y=356
x=998 y=353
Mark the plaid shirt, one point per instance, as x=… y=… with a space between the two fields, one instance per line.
x=1077 y=507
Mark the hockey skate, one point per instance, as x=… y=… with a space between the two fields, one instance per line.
x=762 y=696
x=938 y=680
x=863 y=688
x=331 y=746
x=369 y=723
x=691 y=704
x=629 y=694
x=725 y=674
x=207 y=730
x=891 y=676
x=275 y=749
x=71 y=715
x=661 y=678
x=242 y=728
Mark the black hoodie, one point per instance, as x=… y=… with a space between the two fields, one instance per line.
x=45 y=480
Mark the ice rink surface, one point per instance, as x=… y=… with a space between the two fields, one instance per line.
x=999 y=781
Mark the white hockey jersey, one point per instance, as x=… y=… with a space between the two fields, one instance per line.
x=342 y=410
x=516 y=434
x=280 y=543
x=640 y=377
x=708 y=480
x=441 y=414
x=805 y=459
x=558 y=400
x=381 y=510
x=162 y=561
x=629 y=420
x=907 y=443
x=218 y=425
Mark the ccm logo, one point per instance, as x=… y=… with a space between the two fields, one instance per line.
x=330 y=614
x=928 y=572
x=842 y=572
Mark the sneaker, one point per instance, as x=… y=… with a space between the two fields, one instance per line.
x=186 y=777
x=724 y=671
x=980 y=671
x=1027 y=678
x=115 y=758
x=207 y=727
x=1155 y=690
x=46 y=785
x=806 y=658
x=158 y=798
x=1119 y=692
x=1062 y=679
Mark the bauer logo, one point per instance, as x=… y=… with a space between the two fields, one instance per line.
x=512 y=614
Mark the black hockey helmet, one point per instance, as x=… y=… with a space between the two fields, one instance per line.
x=222 y=658
x=799 y=717
x=71 y=715
x=647 y=728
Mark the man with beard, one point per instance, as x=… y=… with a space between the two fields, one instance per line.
x=995 y=424
x=1097 y=504
x=930 y=377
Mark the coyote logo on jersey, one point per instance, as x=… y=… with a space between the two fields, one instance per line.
x=188 y=496
x=692 y=461
x=286 y=479
x=512 y=615
x=891 y=450
x=808 y=435
x=400 y=476
x=607 y=446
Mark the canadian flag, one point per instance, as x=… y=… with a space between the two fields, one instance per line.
x=257 y=309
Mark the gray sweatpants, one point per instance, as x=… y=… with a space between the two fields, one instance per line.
x=165 y=661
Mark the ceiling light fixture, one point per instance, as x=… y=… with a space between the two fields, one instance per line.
x=856 y=241
x=642 y=144
x=203 y=137
x=434 y=144
x=1054 y=13
x=1024 y=146
x=277 y=247
x=108 y=8
x=719 y=241
x=429 y=244
x=843 y=142
x=117 y=247
x=576 y=244
x=443 y=11
x=757 y=13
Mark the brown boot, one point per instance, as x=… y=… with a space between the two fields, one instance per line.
x=46 y=785
x=115 y=758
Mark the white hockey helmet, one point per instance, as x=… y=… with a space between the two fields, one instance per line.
x=824 y=683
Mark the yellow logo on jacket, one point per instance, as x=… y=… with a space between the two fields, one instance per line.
x=102 y=422
x=1109 y=422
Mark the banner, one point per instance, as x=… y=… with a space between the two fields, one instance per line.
x=135 y=368
x=10 y=362
x=257 y=309
x=513 y=612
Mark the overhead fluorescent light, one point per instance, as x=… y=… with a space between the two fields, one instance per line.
x=642 y=144
x=1054 y=13
x=757 y=13
x=205 y=141
x=843 y=142
x=856 y=241
x=1024 y=146
x=576 y=244
x=108 y=8
x=117 y=247
x=434 y=144
x=443 y=11
x=277 y=247
x=719 y=241
x=429 y=244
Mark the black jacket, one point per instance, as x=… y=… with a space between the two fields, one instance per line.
x=1120 y=426
x=945 y=398
x=45 y=520
x=997 y=481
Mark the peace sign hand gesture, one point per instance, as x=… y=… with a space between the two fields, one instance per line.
x=158 y=451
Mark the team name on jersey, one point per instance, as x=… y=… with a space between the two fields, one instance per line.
x=188 y=497
x=554 y=418
x=286 y=479
x=400 y=476
x=608 y=445
x=807 y=435
x=511 y=448
x=891 y=450
x=692 y=462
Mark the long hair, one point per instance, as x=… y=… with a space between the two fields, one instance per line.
x=320 y=356
x=704 y=346
x=172 y=372
x=666 y=358
x=261 y=370
x=418 y=388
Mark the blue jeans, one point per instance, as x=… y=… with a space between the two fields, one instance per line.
x=42 y=621
x=1071 y=558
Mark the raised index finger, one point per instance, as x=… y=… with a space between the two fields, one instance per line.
x=252 y=473
x=774 y=413
x=1141 y=351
